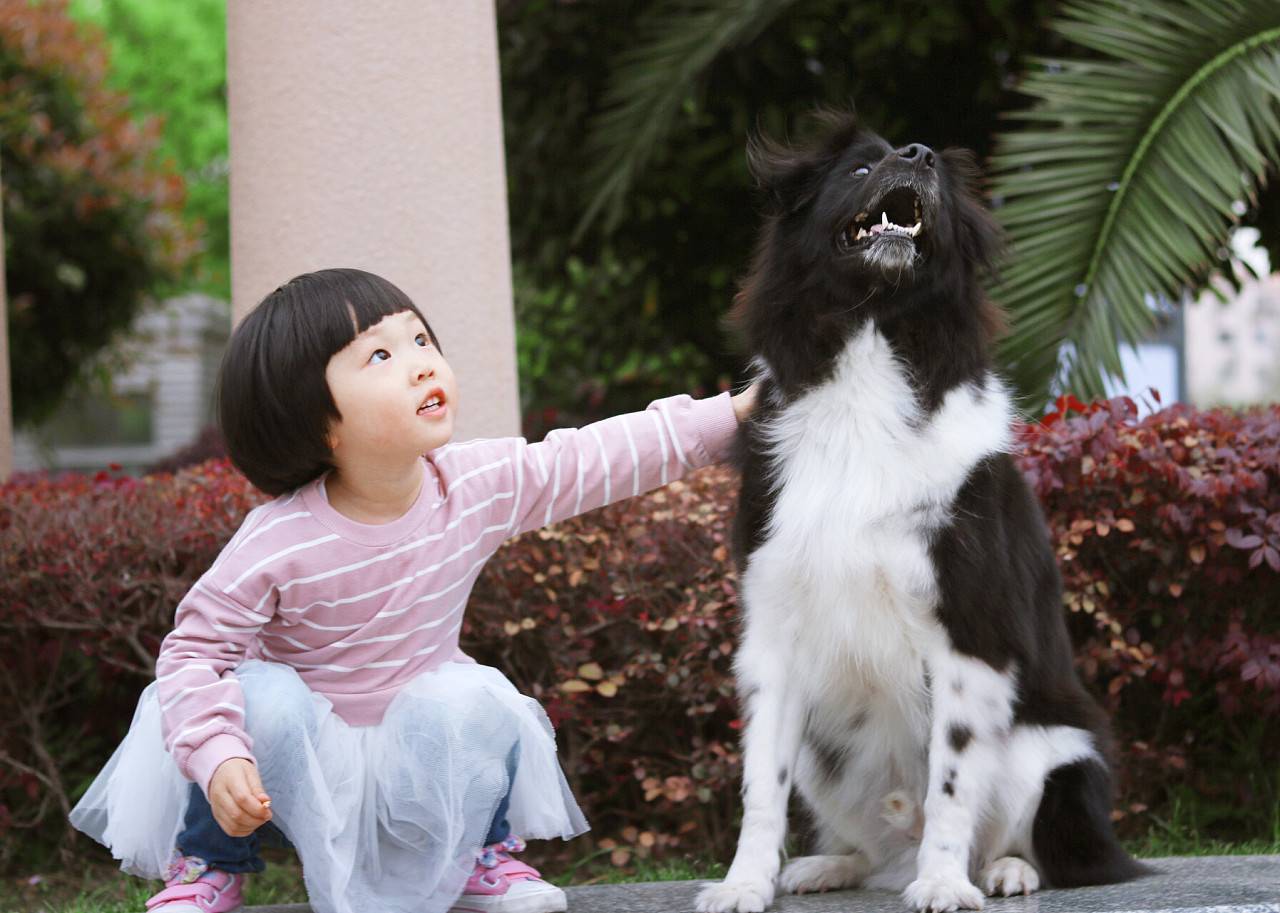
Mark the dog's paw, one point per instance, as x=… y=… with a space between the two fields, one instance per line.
x=942 y=894
x=824 y=873
x=1010 y=875
x=735 y=897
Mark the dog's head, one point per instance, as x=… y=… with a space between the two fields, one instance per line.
x=856 y=230
x=866 y=212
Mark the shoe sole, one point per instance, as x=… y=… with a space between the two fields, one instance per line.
x=549 y=901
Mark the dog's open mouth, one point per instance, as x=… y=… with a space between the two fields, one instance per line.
x=896 y=214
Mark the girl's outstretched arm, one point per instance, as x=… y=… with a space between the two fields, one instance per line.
x=578 y=469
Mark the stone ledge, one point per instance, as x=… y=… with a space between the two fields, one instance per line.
x=1208 y=884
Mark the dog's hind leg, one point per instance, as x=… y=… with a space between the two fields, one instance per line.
x=771 y=741
x=1010 y=875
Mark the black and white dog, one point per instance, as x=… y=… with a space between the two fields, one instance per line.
x=904 y=661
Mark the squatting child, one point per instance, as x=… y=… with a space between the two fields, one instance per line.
x=312 y=687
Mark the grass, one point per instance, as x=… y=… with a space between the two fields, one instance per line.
x=102 y=888
x=1183 y=831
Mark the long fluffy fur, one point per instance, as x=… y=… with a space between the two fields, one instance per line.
x=904 y=664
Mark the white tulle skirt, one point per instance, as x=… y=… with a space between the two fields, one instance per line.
x=385 y=817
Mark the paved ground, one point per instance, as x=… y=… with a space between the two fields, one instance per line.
x=1214 y=884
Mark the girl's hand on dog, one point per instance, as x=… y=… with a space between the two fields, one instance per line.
x=744 y=403
x=240 y=805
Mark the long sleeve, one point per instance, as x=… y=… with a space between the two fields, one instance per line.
x=202 y=705
x=204 y=715
x=576 y=470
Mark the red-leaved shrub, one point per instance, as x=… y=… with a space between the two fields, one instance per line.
x=622 y=623
x=91 y=570
x=1168 y=535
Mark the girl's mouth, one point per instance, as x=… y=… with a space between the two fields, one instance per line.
x=433 y=402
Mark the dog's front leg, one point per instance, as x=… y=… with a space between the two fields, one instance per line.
x=972 y=711
x=770 y=745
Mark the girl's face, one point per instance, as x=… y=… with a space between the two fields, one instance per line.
x=396 y=394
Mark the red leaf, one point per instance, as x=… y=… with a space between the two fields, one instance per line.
x=1238 y=539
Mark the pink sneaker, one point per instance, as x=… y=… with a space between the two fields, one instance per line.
x=501 y=884
x=212 y=892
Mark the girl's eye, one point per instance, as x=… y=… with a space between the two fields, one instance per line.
x=380 y=355
x=423 y=340
x=860 y=172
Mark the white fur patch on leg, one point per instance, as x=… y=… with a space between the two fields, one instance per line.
x=1010 y=875
x=973 y=710
x=770 y=744
x=824 y=873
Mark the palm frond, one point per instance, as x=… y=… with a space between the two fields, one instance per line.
x=677 y=41
x=1127 y=175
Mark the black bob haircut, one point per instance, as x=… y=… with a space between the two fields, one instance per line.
x=274 y=404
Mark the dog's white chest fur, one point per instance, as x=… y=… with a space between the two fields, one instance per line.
x=864 y=477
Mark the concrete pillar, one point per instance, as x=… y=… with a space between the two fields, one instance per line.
x=369 y=135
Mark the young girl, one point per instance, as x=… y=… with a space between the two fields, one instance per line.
x=312 y=687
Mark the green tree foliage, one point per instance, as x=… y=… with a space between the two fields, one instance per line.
x=92 y=217
x=171 y=59
x=1152 y=132
x=1146 y=145
x=627 y=123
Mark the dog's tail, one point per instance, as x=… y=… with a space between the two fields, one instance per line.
x=1072 y=835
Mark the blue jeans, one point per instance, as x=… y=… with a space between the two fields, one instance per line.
x=205 y=839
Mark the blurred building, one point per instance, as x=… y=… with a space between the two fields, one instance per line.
x=156 y=400
x=1233 y=342
x=1219 y=349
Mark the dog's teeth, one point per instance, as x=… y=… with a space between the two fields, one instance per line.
x=884 y=219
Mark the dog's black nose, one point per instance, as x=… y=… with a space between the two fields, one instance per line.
x=918 y=154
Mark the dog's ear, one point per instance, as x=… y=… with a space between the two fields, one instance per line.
x=786 y=177
x=791 y=177
x=980 y=238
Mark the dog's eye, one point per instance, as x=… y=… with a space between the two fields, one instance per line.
x=859 y=172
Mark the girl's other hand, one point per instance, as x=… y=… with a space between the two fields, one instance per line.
x=240 y=805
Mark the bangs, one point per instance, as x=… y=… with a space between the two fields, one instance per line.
x=372 y=299
x=343 y=303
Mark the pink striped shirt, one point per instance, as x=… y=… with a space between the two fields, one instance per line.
x=360 y=610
